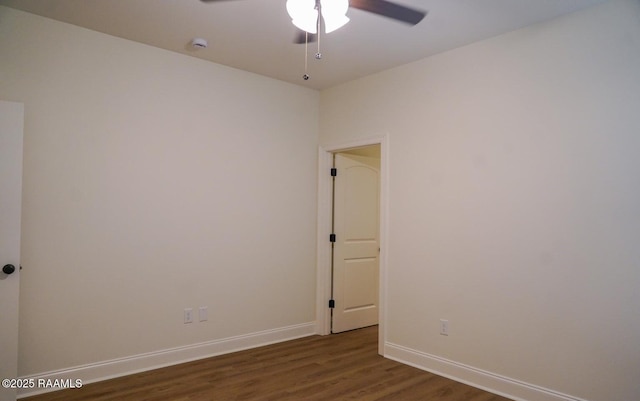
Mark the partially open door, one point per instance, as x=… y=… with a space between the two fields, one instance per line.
x=356 y=248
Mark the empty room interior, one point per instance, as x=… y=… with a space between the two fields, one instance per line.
x=159 y=186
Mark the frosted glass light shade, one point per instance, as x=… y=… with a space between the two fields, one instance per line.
x=333 y=23
x=305 y=16
x=334 y=14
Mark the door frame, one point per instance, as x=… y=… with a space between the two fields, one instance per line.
x=325 y=212
x=13 y=112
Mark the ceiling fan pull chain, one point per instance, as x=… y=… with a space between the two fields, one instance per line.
x=318 y=54
x=306 y=55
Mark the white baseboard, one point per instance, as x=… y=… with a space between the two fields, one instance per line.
x=153 y=360
x=504 y=386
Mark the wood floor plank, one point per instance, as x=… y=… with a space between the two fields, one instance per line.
x=341 y=367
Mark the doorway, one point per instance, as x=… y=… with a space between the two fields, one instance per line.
x=355 y=239
x=325 y=227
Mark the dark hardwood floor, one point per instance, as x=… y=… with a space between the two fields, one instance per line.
x=338 y=367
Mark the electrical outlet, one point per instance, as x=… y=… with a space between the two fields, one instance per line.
x=444 y=327
x=203 y=313
x=188 y=315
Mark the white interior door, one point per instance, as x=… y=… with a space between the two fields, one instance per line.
x=356 y=249
x=11 y=125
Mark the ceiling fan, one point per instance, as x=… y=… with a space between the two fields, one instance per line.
x=311 y=16
x=307 y=15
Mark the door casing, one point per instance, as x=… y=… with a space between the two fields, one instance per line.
x=11 y=145
x=325 y=210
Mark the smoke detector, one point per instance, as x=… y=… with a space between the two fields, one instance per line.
x=199 y=43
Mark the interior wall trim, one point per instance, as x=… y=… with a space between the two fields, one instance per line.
x=110 y=369
x=514 y=389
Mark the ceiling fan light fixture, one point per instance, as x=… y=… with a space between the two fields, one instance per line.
x=334 y=14
x=304 y=14
x=333 y=23
x=306 y=25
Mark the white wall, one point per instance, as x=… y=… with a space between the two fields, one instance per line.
x=154 y=182
x=514 y=205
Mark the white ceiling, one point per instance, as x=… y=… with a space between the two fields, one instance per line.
x=256 y=35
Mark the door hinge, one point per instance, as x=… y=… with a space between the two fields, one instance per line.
x=334 y=171
x=332 y=303
x=332 y=238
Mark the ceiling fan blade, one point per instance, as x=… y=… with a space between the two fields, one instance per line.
x=300 y=37
x=390 y=10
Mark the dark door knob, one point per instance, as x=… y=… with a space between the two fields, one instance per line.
x=8 y=269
